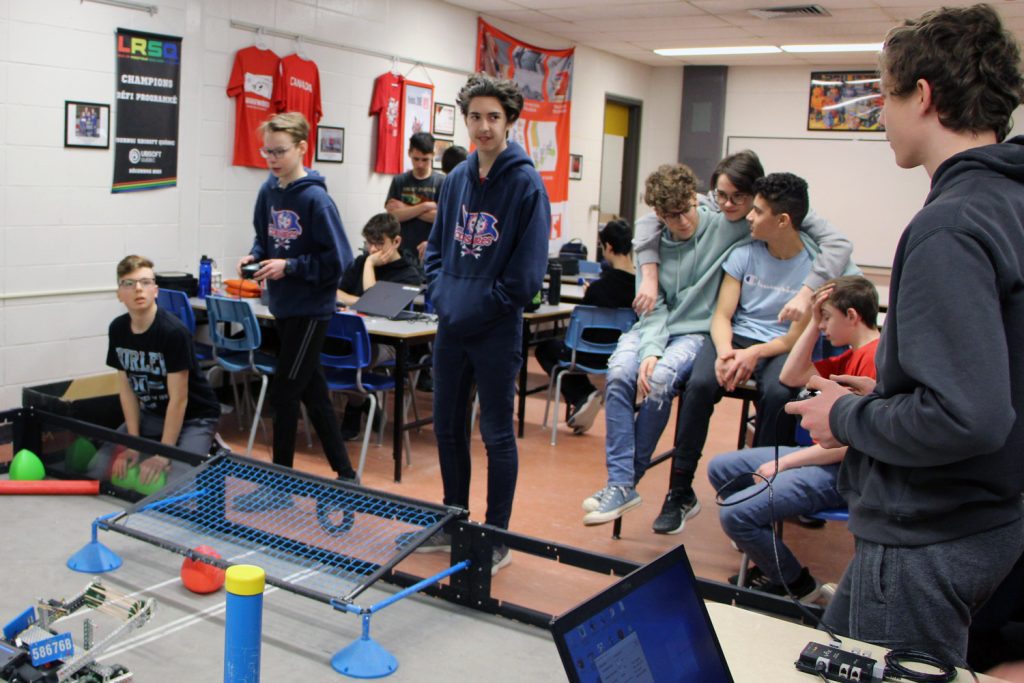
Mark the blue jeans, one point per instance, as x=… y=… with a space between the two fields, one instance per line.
x=633 y=435
x=798 y=491
x=196 y=436
x=491 y=361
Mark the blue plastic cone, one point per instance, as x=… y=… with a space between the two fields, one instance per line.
x=364 y=658
x=94 y=558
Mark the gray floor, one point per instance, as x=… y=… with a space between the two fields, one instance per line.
x=432 y=639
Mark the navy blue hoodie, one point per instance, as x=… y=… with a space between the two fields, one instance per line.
x=488 y=249
x=937 y=450
x=300 y=223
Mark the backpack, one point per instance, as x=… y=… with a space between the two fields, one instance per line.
x=573 y=249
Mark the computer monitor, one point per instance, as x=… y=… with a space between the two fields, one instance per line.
x=652 y=626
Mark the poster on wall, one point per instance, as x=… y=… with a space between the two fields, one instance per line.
x=146 y=123
x=845 y=101
x=417 y=111
x=545 y=79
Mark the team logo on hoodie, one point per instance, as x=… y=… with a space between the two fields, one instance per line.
x=476 y=231
x=284 y=227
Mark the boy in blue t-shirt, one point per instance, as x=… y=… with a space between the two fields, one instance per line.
x=748 y=340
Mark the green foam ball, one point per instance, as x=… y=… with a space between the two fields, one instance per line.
x=79 y=454
x=153 y=486
x=130 y=480
x=26 y=466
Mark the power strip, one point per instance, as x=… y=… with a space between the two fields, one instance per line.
x=836 y=664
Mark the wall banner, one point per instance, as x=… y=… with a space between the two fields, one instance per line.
x=545 y=79
x=146 y=133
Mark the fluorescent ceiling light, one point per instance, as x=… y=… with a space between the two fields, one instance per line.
x=704 y=51
x=835 y=47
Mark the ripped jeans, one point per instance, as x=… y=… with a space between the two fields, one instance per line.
x=633 y=435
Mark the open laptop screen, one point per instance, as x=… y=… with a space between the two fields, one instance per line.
x=652 y=626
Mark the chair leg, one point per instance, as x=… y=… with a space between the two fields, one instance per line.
x=366 y=435
x=744 y=565
x=238 y=402
x=472 y=416
x=547 y=404
x=554 y=413
x=383 y=419
x=256 y=417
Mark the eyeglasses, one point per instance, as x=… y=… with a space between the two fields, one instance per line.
x=267 y=153
x=146 y=283
x=736 y=198
x=674 y=215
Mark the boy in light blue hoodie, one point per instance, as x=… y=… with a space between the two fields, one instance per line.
x=485 y=260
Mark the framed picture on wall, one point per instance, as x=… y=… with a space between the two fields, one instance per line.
x=847 y=101
x=575 y=167
x=417 y=114
x=440 y=146
x=330 y=144
x=86 y=124
x=444 y=119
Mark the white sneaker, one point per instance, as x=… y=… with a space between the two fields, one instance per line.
x=583 y=417
x=593 y=501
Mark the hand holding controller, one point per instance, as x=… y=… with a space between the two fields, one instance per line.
x=805 y=394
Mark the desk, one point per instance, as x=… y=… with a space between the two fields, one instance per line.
x=762 y=648
x=398 y=333
x=545 y=313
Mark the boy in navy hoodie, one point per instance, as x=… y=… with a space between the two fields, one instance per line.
x=302 y=251
x=485 y=260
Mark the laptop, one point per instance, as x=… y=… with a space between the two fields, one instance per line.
x=652 y=626
x=387 y=300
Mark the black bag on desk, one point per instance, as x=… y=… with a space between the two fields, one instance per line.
x=183 y=282
x=573 y=249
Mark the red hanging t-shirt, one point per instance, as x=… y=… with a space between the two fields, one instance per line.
x=300 y=91
x=254 y=80
x=387 y=105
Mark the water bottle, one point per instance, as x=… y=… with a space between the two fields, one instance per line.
x=205 y=276
x=554 y=282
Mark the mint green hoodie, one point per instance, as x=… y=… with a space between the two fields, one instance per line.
x=689 y=277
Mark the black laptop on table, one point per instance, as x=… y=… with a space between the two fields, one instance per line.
x=387 y=300
x=652 y=626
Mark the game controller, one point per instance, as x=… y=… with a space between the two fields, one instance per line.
x=249 y=270
x=805 y=394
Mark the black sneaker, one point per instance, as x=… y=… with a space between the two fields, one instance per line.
x=754 y=575
x=805 y=588
x=679 y=506
x=263 y=499
x=425 y=382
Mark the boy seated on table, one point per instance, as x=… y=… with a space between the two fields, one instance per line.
x=845 y=311
x=382 y=260
x=163 y=394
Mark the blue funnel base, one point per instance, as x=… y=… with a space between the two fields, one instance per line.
x=364 y=658
x=94 y=558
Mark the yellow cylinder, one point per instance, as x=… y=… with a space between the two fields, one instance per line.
x=245 y=579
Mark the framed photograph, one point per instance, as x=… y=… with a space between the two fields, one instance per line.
x=417 y=113
x=86 y=124
x=330 y=144
x=575 y=167
x=439 y=149
x=847 y=101
x=444 y=119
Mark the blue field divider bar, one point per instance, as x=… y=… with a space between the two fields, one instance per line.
x=404 y=593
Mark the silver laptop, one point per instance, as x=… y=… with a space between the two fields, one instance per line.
x=387 y=300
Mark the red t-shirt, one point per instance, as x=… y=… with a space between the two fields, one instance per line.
x=300 y=91
x=254 y=80
x=387 y=105
x=859 y=362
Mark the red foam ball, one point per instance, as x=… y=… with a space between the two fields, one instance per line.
x=200 y=577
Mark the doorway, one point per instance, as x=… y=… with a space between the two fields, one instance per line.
x=620 y=159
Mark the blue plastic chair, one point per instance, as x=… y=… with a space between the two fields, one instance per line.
x=585 y=319
x=240 y=354
x=590 y=268
x=176 y=302
x=350 y=371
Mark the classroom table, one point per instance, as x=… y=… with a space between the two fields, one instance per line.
x=402 y=334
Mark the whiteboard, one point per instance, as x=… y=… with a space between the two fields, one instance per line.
x=854 y=183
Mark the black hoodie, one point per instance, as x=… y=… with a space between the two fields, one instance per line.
x=937 y=451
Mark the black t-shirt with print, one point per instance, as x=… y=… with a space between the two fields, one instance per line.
x=409 y=189
x=149 y=357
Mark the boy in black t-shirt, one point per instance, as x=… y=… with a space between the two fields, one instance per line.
x=163 y=395
x=612 y=290
x=412 y=198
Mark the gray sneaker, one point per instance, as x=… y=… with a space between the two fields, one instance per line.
x=501 y=557
x=583 y=417
x=614 y=503
x=441 y=542
x=593 y=501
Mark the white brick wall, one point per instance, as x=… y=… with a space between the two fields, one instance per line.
x=60 y=226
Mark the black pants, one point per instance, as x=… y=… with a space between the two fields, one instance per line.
x=575 y=388
x=702 y=393
x=299 y=377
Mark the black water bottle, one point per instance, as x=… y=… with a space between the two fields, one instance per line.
x=554 y=282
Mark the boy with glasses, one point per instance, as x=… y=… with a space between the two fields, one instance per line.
x=163 y=394
x=301 y=247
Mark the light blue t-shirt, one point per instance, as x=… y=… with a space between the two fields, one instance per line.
x=767 y=283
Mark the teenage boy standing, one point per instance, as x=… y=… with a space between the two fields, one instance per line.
x=933 y=473
x=484 y=262
x=412 y=198
x=302 y=251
